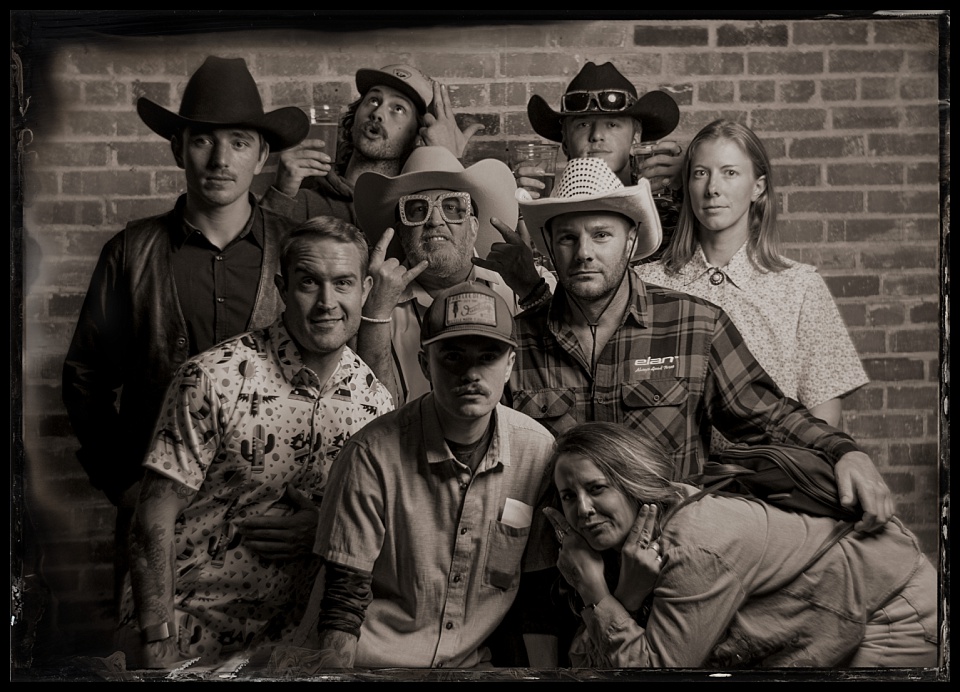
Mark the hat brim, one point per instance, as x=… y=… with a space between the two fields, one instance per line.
x=657 y=112
x=282 y=128
x=634 y=202
x=471 y=330
x=490 y=183
x=367 y=79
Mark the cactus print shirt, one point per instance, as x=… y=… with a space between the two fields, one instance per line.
x=240 y=422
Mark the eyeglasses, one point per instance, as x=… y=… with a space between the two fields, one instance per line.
x=416 y=209
x=607 y=100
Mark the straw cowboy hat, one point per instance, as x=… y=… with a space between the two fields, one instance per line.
x=222 y=93
x=588 y=185
x=656 y=110
x=490 y=183
x=406 y=79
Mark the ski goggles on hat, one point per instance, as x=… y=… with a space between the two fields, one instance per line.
x=416 y=209
x=606 y=100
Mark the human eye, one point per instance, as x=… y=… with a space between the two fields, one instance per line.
x=344 y=283
x=566 y=497
x=563 y=239
x=698 y=173
x=201 y=141
x=399 y=108
x=731 y=172
x=307 y=282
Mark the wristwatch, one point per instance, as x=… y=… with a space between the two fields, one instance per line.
x=156 y=633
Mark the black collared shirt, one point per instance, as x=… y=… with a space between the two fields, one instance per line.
x=217 y=287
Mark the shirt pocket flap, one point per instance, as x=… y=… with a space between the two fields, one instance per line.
x=545 y=403
x=655 y=393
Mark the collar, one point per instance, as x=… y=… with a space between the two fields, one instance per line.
x=252 y=230
x=740 y=270
x=414 y=291
x=436 y=448
x=299 y=375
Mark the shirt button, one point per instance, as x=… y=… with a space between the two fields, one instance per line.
x=219 y=258
x=462 y=531
x=220 y=300
x=449 y=625
x=181 y=341
x=456 y=578
x=656 y=397
x=543 y=409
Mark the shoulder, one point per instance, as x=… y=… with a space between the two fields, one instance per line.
x=144 y=231
x=520 y=423
x=663 y=297
x=367 y=382
x=237 y=348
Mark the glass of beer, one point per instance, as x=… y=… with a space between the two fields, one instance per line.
x=325 y=125
x=539 y=155
x=666 y=200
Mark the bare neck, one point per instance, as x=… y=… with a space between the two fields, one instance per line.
x=720 y=247
x=219 y=225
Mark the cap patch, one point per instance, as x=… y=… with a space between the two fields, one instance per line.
x=402 y=74
x=470 y=308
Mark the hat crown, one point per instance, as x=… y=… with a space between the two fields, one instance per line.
x=598 y=77
x=586 y=176
x=470 y=308
x=222 y=90
x=432 y=159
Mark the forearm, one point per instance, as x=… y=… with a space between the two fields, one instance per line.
x=345 y=599
x=375 y=349
x=337 y=649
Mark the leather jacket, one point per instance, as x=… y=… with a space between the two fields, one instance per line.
x=130 y=339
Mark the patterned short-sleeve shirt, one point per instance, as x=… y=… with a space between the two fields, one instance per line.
x=240 y=423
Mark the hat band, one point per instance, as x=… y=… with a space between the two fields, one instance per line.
x=606 y=100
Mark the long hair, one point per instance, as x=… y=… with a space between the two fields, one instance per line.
x=346 y=146
x=763 y=244
x=636 y=465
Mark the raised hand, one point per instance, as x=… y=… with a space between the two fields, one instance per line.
x=640 y=560
x=512 y=259
x=440 y=124
x=663 y=168
x=299 y=162
x=580 y=565
x=526 y=179
x=390 y=279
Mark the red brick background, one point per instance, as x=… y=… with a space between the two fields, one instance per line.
x=848 y=109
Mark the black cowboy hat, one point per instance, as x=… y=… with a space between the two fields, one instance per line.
x=656 y=110
x=222 y=93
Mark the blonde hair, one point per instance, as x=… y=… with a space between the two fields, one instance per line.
x=636 y=465
x=763 y=244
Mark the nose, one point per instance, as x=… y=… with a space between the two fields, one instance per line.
x=325 y=297
x=711 y=187
x=434 y=218
x=377 y=113
x=584 y=250
x=584 y=506
x=220 y=155
x=596 y=134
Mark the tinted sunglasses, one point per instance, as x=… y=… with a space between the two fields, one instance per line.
x=416 y=209
x=607 y=100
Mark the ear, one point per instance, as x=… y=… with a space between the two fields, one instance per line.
x=424 y=365
x=281 y=286
x=511 y=361
x=367 y=285
x=474 y=229
x=176 y=146
x=759 y=188
x=264 y=153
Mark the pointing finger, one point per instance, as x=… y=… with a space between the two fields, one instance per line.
x=508 y=234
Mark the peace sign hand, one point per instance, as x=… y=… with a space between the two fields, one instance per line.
x=390 y=279
x=512 y=259
x=640 y=560
x=440 y=124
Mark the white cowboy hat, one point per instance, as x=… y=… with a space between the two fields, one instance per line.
x=588 y=185
x=490 y=183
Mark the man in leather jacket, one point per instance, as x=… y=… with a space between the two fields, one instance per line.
x=168 y=287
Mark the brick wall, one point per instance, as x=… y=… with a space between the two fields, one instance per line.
x=848 y=109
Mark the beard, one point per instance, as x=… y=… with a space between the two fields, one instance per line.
x=600 y=288
x=448 y=260
x=383 y=147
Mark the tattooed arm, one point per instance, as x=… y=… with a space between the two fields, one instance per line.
x=152 y=561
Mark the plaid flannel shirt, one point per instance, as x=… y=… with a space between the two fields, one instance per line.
x=674 y=367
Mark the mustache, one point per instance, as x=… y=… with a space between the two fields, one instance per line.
x=471 y=389
x=375 y=127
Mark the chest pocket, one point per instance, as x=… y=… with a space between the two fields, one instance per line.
x=545 y=403
x=652 y=393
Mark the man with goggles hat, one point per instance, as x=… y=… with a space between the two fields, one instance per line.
x=170 y=286
x=429 y=227
x=399 y=108
x=601 y=116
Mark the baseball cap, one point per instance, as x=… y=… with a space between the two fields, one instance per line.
x=406 y=79
x=470 y=308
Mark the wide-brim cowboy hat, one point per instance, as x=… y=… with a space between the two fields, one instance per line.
x=490 y=183
x=222 y=93
x=406 y=79
x=588 y=185
x=657 y=112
